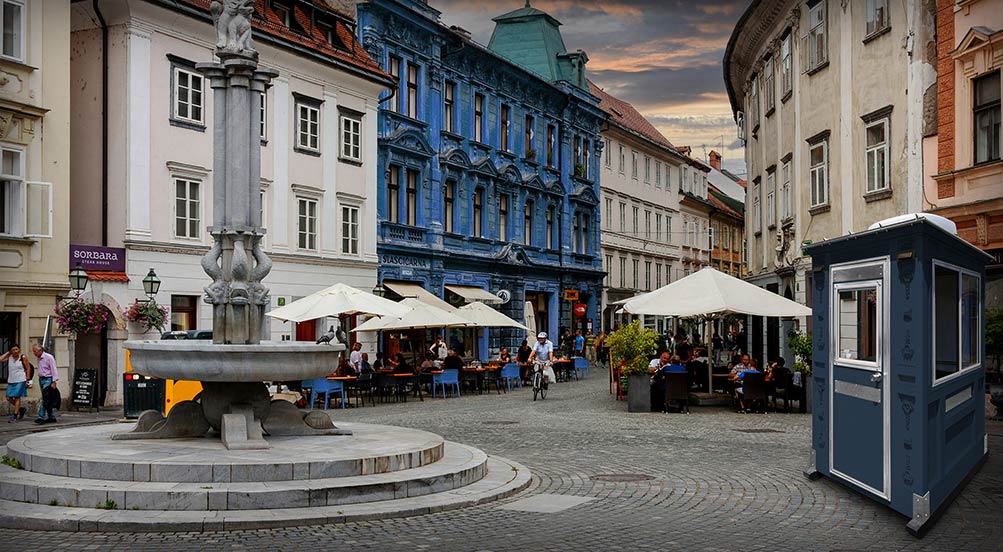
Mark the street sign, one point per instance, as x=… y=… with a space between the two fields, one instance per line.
x=580 y=309
x=571 y=295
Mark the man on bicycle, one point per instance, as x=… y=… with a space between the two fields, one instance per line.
x=544 y=351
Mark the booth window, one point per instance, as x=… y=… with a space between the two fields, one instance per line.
x=956 y=320
x=858 y=325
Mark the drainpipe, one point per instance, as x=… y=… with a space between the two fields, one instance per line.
x=104 y=123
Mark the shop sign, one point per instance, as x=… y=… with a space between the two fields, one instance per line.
x=571 y=295
x=92 y=257
x=580 y=309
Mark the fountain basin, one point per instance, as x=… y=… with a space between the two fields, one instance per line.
x=205 y=361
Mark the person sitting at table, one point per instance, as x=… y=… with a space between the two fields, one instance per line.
x=402 y=366
x=364 y=366
x=453 y=361
x=656 y=363
x=739 y=365
x=753 y=368
x=503 y=356
x=429 y=363
x=378 y=363
x=667 y=365
x=345 y=368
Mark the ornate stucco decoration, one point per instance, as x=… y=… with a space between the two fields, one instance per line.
x=785 y=246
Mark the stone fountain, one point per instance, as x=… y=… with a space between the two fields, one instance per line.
x=234 y=367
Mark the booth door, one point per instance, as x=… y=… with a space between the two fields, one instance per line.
x=859 y=402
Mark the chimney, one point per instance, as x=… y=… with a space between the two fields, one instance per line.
x=715 y=159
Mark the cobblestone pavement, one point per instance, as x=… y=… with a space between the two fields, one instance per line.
x=712 y=488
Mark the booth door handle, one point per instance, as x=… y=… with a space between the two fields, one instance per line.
x=876 y=377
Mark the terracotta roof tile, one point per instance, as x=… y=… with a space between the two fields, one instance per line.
x=720 y=205
x=107 y=276
x=267 y=21
x=624 y=114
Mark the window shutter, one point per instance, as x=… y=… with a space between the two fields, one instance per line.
x=805 y=59
x=38 y=210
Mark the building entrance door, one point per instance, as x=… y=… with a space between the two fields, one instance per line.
x=858 y=396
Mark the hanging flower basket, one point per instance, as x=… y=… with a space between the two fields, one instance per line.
x=149 y=315
x=81 y=317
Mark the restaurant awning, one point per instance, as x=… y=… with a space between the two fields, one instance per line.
x=473 y=294
x=419 y=315
x=415 y=291
x=484 y=316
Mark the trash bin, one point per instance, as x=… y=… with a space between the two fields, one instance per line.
x=141 y=393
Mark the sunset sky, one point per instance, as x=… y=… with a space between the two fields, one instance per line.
x=663 y=56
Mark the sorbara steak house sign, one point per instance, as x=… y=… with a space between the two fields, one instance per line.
x=92 y=257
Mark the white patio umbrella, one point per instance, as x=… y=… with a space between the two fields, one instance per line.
x=337 y=300
x=483 y=316
x=710 y=293
x=418 y=315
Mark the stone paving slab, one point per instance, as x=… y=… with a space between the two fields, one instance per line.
x=504 y=477
x=546 y=503
x=90 y=453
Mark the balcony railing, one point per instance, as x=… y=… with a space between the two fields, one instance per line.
x=402 y=233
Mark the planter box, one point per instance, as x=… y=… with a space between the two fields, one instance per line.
x=638 y=393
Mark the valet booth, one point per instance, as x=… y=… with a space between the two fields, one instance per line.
x=898 y=379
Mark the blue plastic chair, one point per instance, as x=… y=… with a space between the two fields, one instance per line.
x=510 y=373
x=324 y=386
x=582 y=366
x=447 y=377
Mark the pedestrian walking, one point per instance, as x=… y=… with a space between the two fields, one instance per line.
x=579 y=344
x=18 y=376
x=48 y=376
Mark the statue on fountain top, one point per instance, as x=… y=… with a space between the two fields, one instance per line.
x=232 y=19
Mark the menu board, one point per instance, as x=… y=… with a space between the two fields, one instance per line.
x=84 y=387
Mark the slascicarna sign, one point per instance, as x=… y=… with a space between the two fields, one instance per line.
x=92 y=257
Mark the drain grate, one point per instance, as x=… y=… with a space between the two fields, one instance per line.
x=499 y=422
x=759 y=430
x=621 y=477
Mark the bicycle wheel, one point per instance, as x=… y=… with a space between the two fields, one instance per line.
x=543 y=390
x=536 y=385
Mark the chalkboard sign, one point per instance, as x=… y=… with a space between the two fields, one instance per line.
x=84 y=387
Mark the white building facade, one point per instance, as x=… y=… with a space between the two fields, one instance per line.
x=318 y=157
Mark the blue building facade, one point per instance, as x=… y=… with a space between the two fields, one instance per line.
x=488 y=168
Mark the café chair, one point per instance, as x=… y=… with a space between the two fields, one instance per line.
x=447 y=377
x=324 y=386
x=510 y=373
x=677 y=390
x=581 y=366
x=754 y=391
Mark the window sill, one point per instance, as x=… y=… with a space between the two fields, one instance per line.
x=772 y=227
x=757 y=233
x=885 y=30
x=17 y=239
x=507 y=154
x=819 y=209
x=17 y=63
x=878 y=195
x=787 y=95
x=188 y=125
x=817 y=68
x=304 y=151
x=531 y=162
x=350 y=161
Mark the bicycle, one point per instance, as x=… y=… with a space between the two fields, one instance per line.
x=540 y=383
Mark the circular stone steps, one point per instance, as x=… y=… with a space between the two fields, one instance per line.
x=378 y=472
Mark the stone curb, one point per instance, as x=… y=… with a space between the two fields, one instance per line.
x=504 y=478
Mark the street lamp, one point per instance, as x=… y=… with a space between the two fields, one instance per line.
x=78 y=279
x=151 y=284
x=379 y=290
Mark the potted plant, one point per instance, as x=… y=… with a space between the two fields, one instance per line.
x=632 y=346
x=80 y=317
x=531 y=155
x=579 y=170
x=148 y=315
x=800 y=344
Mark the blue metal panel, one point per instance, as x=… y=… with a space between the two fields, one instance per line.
x=858 y=427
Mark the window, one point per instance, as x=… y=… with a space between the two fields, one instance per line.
x=478 y=212
x=586 y=163
x=350 y=230
x=411 y=199
x=577 y=150
x=877 y=15
x=813 y=46
x=12 y=17
x=877 y=155
x=658 y=174
x=550 y=145
x=633 y=164
x=351 y=138
x=658 y=227
x=585 y=234
x=647 y=169
x=818 y=169
x=757 y=219
x=635 y=263
x=785 y=190
x=858 y=325
x=412 y=91
x=282 y=12
x=786 y=68
x=393 y=194
x=684 y=178
x=769 y=85
x=622 y=159
x=308 y=129
x=16 y=194
x=527 y=229
x=956 y=319
x=395 y=74
x=771 y=198
x=550 y=227
x=187 y=92
x=186 y=208
x=263 y=104
x=725 y=237
x=307 y=224
x=623 y=272
x=713 y=235
x=609 y=213
x=609 y=270
x=647 y=225
x=668 y=229
x=576 y=238
x=634 y=218
x=478 y=118
x=184 y=311
x=754 y=104
x=448 y=206
x=606 y=149
x=503 y=218
x=504 y=126
x=449 y=107
x=658 y=275
x=647 y=275
x=530 y=146
x=623 y=217
x=986 y=113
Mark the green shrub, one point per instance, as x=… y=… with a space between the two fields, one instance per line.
x=12 y=462
x=633 y=346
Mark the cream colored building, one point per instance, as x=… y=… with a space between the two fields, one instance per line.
x=833 y=99
x=648 y=238
x=318 y=157
x=35 y=153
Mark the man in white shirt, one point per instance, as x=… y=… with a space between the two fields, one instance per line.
x=544 y=350
x=356 y=357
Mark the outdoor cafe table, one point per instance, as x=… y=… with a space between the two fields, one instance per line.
x=350 y=382
x=563 y=366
